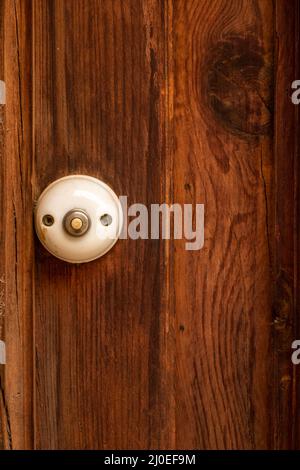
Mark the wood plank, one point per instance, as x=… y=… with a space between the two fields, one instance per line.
x=4 y=433
x=286 y=260
x=102 y=376
x=18 y=257
x=296 y=401
x=223 y=158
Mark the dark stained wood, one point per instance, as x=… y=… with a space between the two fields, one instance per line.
x=18 y=256
x=286 y=260
x=296 y=413
x=223 y=85
x=102 y=376
x=223 y=158
x=153 y=346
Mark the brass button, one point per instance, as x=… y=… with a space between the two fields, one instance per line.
x=76 y=222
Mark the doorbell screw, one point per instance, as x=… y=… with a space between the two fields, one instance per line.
x=48 y=220
x=106 y=220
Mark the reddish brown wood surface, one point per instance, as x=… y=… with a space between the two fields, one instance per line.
x=3 y=414
x=17 y=250
x=222 y=129
x=153 y=346
x=286 y=249
x=102 y=371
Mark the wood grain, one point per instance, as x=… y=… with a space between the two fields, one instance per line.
x=18 y=258
x=222 y=130
x=4 y=434
x=153 y=346
x=102 y=376
x=286 y=237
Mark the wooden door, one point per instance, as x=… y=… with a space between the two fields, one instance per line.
x=152 y=346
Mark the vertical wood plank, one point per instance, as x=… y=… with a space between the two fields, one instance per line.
x=223 y=158
x=4 y=425
x=102 y=376
x=296 y=375
x=18 y=259
x=286 y=260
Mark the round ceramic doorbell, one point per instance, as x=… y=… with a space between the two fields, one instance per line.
x=78 y=218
